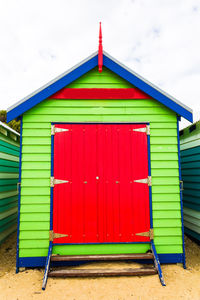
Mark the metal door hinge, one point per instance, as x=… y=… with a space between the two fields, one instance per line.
x=18 y=185
x=181 y=185
x=53 y=235
x=149 y=233
x=54 y=181
x=143 y=129
x=57 y=129
x=145 y=180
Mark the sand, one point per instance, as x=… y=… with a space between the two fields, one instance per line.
x=181 y=284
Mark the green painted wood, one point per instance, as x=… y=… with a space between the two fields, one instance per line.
x=9 y=169
x=36 y=151
x=5 y=188
x=190 y=164
x=8 y=219
x=9 y=157
x=4 y=162
x=6 y=201
x=8 y=145
x=9 y=173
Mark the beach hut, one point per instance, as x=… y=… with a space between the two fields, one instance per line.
x=9 y=174
x=100 y=172
x=190 y=168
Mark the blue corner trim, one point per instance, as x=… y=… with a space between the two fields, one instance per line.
x=139 y=83
x=52 y=89
x=181 y=200
x=19 y=196
x=150 y=188
x=31 y=262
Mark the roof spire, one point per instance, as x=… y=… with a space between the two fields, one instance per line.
x=100 y=53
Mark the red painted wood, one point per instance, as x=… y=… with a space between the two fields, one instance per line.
x=100 y=52
x=129 y=93
x=101 y=203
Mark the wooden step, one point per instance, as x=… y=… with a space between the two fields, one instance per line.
x=102 y=257
x=102 y=272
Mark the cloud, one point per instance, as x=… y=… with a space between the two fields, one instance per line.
x=157 y=39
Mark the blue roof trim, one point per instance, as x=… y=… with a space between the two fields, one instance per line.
x=52 y=88
x=64 y=79
x=133 y=79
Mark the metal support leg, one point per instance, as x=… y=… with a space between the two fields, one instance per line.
x=157 y=263
x=47 y=266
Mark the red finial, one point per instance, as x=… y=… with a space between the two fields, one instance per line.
x=100 y=54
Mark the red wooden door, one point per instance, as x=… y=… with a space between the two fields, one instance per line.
x=100 y=202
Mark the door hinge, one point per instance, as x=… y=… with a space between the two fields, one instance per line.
x=149 y=233
x=181 y=185
x=53 y=235
x=54 y=181
x=57 y=129
x=18 y=186
x=143 y=129
x=146 y=180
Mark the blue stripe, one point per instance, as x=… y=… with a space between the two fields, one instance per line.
x=40 y=261
x=19 y=197
x=150 y=188
x=179 y=165
x=52 y=89
x=137 y=82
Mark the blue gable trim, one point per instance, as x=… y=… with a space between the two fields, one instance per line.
x=52 y=89
x=119 y=70
x=85 y=67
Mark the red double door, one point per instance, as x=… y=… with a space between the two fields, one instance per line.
x=100 y=202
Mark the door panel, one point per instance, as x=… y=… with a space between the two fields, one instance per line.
x=101 y=203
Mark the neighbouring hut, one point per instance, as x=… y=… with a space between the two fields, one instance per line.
x=190 y=168
x=9 y=174
x=100 y=170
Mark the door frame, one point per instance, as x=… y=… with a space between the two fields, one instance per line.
x=149 y=174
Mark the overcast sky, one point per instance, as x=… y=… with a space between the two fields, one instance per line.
x=158 y=39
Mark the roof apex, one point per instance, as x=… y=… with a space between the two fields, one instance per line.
x=85 y=66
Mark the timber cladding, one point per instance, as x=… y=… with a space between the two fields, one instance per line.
x=9 y=174
x=36 y=166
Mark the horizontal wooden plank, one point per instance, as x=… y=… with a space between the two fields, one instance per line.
x=9 y=157
x=102 y=272
x=34 y=225
x=36 y=165
x=164 y=148
x=40 y=182
x=35 y=199
x=172 y=205
x=31 y=208
x=100 y=93
x=165 y=189
x=165 y=181
x=37 y=191
x=167 y=222
x=8 y=175
x=173 y=197
x=34 y=217
x=165 y=172
x=8 y=163
x=99 y=103
x=46 y=149
x=36 y=173
x=169 y=231
x=167 y=214
x=100 y=118
x=36 y=157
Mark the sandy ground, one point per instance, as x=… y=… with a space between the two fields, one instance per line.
x=181 y=284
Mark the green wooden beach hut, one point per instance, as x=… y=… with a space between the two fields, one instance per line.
x=9 y=174
x=190 y=168
x=73 y=202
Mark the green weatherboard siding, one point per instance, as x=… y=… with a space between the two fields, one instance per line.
x=36 y=163
x=9 y=173
x=190 y=165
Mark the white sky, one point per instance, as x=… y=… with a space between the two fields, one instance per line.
x=158 y=39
